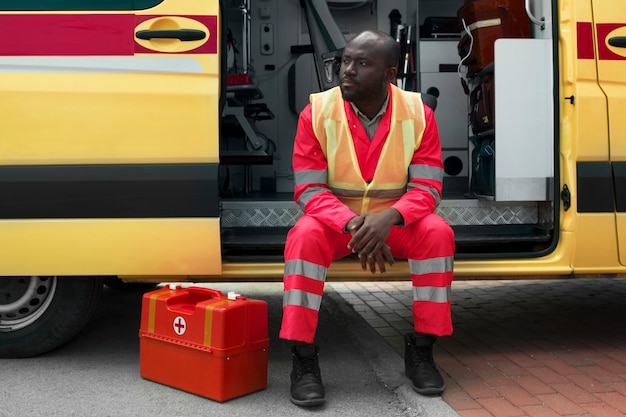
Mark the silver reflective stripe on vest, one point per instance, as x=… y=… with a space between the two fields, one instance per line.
x=310 y=176
x=302 y=299
x=308 y=194
x=397 y=193
x=342 y=192
x=425 y=172
x=432 y=294
x=306 y=269
x=432 y=265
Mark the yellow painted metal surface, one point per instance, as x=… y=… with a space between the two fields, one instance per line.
x=610 y=23
x=84 y=118
x=148 y=247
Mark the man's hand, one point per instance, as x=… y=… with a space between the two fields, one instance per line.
x=377 y=259
x=369 y=232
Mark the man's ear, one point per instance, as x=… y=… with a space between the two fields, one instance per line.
x=390 y=74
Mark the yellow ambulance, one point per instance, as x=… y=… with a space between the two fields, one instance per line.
x=150 y=141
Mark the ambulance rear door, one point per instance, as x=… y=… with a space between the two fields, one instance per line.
x=109 y=137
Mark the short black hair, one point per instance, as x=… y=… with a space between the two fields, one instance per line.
x=388 y=45
x=392 y=48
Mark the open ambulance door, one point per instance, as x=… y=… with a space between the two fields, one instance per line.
x=108 y=155
x=610 y=32
x=109 y=151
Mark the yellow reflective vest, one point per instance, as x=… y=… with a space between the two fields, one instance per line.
x=330 y=125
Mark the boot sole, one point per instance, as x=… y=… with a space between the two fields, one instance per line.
x=429 y=391
x=315 y=402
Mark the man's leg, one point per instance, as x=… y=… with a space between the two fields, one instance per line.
x=310 y=248
x=428 y=245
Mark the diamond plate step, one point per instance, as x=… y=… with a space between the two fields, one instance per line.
x=255 y=213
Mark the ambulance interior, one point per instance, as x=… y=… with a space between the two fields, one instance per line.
x=499 y=184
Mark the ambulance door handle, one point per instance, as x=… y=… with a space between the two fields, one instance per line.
x=181 y=34
x=618 y=41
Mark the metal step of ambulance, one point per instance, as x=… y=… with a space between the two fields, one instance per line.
x=258 y=228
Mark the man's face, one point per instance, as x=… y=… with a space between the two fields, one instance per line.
x=362 y=72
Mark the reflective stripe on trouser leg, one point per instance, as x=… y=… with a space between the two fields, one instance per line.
x=310 y=248
x=428 y=244
x=432 y=279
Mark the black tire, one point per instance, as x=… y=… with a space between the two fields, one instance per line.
x=39 y=314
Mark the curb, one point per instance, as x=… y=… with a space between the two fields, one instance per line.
x=387 y=364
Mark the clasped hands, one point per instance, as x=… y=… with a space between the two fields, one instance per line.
x=369 y=234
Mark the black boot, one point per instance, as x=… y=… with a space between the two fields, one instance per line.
x=420 y=365
x=306 y=379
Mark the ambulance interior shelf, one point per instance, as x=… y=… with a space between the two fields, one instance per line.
x=240 y=92
x=238 y=118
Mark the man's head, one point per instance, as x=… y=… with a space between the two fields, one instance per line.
x=368 y=65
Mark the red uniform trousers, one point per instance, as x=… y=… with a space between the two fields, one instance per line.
x=427 y=244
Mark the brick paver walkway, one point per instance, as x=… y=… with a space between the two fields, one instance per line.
x=520 y=348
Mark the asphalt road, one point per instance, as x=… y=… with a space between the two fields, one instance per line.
x=97 y=373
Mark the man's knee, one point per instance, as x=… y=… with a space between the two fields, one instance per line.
x=307 y=227
x=436 y=227
x=308 y=239
x=433 y=235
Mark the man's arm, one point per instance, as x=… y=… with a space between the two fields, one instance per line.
x=310 y=169
x=425 y=175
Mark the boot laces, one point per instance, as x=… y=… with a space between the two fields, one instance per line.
x=307 y=365
x=421 y=354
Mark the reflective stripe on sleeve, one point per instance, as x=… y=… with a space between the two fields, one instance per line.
x=306 y=269
x=426 y=172
x=431 y=190
x=432 y=265
x=311 y=176
x=433 y=294
x=308 y=194
x=302 y=299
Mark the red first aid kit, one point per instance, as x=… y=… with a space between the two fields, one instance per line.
x=198 y=340
x=489 y=20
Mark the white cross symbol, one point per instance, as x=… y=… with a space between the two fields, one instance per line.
x=180 y=325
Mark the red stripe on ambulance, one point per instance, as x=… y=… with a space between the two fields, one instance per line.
x=584 y=34
x=83 y=34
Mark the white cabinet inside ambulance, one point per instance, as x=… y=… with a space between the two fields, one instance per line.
x=151 y=141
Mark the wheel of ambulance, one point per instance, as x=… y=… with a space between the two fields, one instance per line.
x=40 y=313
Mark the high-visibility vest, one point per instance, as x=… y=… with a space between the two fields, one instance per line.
x=330 y=125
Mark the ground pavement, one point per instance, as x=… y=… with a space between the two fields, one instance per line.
x=520 y=348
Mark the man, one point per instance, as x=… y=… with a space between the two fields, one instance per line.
x=368 y=175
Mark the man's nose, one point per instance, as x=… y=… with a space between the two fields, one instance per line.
x=348 y=68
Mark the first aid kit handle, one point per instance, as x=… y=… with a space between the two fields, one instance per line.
x=180 y=34
x=206 y=291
